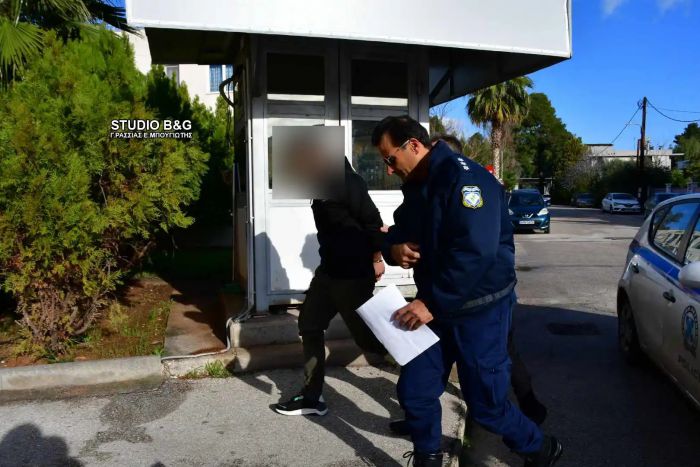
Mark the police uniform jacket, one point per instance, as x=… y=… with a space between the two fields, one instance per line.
x=458 y=215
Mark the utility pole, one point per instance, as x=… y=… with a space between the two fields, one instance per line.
x=642 y=147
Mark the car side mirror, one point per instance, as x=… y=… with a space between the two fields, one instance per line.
x=689 y=275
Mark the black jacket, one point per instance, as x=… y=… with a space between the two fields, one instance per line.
x=348 y=229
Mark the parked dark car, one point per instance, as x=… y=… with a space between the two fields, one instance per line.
x=655 y=199
x=583 y=200
x=528 y=211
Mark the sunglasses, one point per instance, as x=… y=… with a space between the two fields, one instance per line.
x=390 y=160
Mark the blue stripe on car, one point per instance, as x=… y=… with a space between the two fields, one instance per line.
x=666 y=268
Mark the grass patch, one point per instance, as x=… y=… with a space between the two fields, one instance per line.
x=216 y=369
x=213 y=369
x=130 y=334
x=133 y=326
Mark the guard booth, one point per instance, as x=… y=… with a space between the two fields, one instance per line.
x=345 y=63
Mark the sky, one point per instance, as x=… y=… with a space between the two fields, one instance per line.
x=623 y=50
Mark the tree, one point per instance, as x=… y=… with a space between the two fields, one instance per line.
x=171 y=100
x=78 y=209
x=23 y=25
x=688 y=143
x=478 y=148
x=498 y=106
x=544 y=147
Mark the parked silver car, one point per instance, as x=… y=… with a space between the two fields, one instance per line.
x=620 y=202
x=659 y=293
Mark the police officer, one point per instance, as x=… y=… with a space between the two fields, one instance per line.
x=453 y=230
x=520 y=376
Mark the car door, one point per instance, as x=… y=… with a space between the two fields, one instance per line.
x=680 y=343
x=652 y=267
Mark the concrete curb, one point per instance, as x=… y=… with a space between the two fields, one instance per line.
x=71 y=379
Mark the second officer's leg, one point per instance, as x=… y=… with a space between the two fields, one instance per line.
x=480 y=341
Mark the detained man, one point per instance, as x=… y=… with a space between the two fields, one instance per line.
x=350 y=237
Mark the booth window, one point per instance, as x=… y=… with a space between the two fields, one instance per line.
x=293 y=77
x=218 y=73
x=366 y=159
x=379 y=83
x=378 y=89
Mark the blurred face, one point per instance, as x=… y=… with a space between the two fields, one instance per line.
x=401 y=160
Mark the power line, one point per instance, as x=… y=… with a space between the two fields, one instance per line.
x=621 y=131
x=681 y=111
x=671 y=118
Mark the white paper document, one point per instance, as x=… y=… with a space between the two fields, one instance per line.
x=403 y=345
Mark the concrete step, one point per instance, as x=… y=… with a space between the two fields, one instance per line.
x=279 y=329
x=339 y=352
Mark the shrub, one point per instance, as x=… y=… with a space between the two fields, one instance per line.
x=78 y=209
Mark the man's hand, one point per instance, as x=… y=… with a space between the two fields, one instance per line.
x=384 y=228
x=413 y=315
x=378 y=270
x=406 y=254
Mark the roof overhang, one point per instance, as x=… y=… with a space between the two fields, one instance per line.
x=472 y=43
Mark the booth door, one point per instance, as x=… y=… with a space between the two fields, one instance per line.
x=379 y=80
x=300 y=89
x=313 y=82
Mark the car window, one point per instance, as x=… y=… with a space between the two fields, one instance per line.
x=624 y=196
x=693 y=251
x=671 y=229
x=525 y=199
x=664 y=196
x=658 y=217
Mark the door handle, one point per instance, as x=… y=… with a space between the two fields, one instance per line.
x=634 y=267
x=668 y=295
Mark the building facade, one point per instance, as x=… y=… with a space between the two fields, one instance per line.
x=201 y=80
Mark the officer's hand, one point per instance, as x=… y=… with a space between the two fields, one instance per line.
x=378 y=270
x=413 y=315
x=406 y=254
x=384 y=228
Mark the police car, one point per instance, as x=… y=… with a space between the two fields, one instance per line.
x=659 y=293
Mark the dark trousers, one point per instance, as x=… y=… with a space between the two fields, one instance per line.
x=478 y=343
x=519 y=375
x=325 y=298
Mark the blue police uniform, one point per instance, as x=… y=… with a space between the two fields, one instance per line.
x=466 y=277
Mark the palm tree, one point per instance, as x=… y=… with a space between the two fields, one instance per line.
x=497 y=107
x=24 y=22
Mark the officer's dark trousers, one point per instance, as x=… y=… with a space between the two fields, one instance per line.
x=478 y=344
x=325 y=298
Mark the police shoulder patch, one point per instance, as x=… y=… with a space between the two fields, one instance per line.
x=471 y=197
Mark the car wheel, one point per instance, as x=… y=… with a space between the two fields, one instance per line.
x=547 y=230
x=627 y=336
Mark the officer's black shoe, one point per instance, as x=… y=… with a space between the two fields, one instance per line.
x=549 y=454
x=298 y=405
x=532 y=408
x=399 y=427
x=423 y=460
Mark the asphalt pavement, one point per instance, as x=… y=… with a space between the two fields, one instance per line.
x=605 y=412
